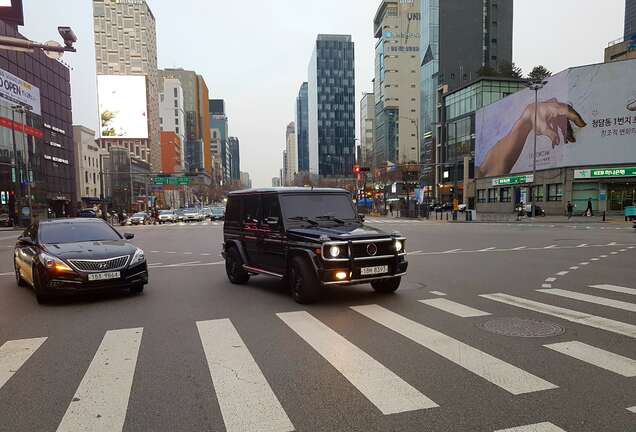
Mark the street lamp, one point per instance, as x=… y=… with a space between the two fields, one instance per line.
x=536 y=86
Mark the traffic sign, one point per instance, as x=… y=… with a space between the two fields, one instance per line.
x=171 y=181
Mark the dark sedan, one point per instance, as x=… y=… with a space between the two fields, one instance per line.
x=66 y=256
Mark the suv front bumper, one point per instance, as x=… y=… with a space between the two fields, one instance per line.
x=328 y=273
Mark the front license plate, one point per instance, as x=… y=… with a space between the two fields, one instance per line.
x=367 y=271
x=103 y=276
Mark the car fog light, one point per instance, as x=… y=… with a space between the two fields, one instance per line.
x=398 y=246
x=334 y=251
x=341 y=275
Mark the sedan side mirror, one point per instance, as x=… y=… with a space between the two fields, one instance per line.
x=129 y=236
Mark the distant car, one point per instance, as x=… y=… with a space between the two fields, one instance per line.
x=179 y=215
x=167 y=216
x=5 y=219
x=69 y=256
x=192 y=215
x=140 y=218
x=87 y=213
x=217 y=213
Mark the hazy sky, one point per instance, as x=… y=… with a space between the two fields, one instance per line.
x=254 y=54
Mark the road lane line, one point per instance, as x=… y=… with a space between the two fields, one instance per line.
x=384 y=389
x=566 y=314
x=584 y=263
x=595 y=259
x=612 y=244
x=246 y=399
x=582 y=245
x=537 y=427
x=551 y=247
x=598 y=357
x=454 y=308
x=574 y=268
x=205 y=254
x=603 y=256
x=519 y=248
x=498 y=372
x=615 y=288
x=486 y=249
x=550 y=279
x=414 y=252
x=438 y=293
x=616 y=304
x=632 y=409
x=101 y=400
x=187 y=253
x=13 y=354
x=562 y=273
x=451 y=251
x=546 y=286
x=8 y=274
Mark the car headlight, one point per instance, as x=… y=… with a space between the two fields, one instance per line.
x=334 y=251
x=54 y=263
x=138 y=257
x=399 y=245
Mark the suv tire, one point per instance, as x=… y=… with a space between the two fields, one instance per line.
x=303 y=283
x=234 y=267
x=137 y=289
x=386 y=285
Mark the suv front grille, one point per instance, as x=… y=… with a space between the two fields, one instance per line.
x=100 y=265
x=382 y=248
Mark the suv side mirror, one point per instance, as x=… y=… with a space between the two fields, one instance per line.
x=129 y=236
x=272 y=220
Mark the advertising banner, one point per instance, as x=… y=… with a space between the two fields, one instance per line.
x=15 y=90
x=122 y=106
x=585 y=116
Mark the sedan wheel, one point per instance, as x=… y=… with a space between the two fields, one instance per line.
x=18 y=276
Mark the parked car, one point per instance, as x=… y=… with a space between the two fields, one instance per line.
x=140 y=218
x=179 y=214
x=217 y=213
x=87 y=213
x=192 y=215
x=5 y=220
x=167 y=216
x=66 y=256
x=310 y=238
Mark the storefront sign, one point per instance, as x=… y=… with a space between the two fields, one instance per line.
x=54 y=144
x=15 y=90
x=174 y=181
x=515 y=180
x=53 y=128
x=604 y=173
x=19 y=127
x=56 y=159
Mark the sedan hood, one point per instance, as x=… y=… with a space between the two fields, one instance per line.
x=91 y=250
x=339 y=233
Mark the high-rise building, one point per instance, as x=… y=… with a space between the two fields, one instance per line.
x=397 y=83
x=459 y=39
x=245 y=180
x=367 y=130
x=220 y=136
x=234 y=149
x=197 y=145
x=125 y=46
x=87 y=166
x=283 y=171
x=331 y=102
x=292 y=154
x=171 y=150
x=302 y=128
x=630 y=18
x=172 y=118
x=276 y=182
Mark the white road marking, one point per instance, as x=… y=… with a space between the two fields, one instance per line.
x=603 y=256
x=13 y=354
x=612 y=244
x=613 y=253
x=388 y=392
x=451 y=251
x=582 y=245
x=519 y=248
x=632 y=409
x=615 y=288
x=187 y=253
x=438 y=293
x=101 y=400
x=247 y=401
x=623 y=250
x=171 y=253
x=550 y=279
x=631 y=247
x=498 y=372
x=546 y=286
x=8 y=274
x=574 y=268
x=154 y=264
x=486 y=249
x=205 y=254
x=551 y=247
x=186 y=265
x=598 y=357
x=454 y=308
x=414 y=252
x=155 y=251
x=537 y=427
x=616 y=304
x=584 y=263
x=562 y=273
x=566 y=314
x=595 y=259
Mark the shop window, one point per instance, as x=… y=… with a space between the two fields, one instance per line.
x=481 y=196
x=555 y=192
x=538 y=192
x=492 y=195
x=504 y=195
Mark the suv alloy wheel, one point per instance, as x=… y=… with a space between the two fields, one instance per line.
x=304 y=286
x=234 y=267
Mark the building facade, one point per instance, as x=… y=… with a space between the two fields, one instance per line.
x=87 y=166
x=220 y=135
x=171 y=151
x=367 y=130
x=246 y=182
x=331 y=102
x=302 y=128
x=172 y=118
x=234 y=148
x=291 y=168
x=458 y=40
x=126 y=44
x=630 y=18
x=276 y=182
x=397 y=83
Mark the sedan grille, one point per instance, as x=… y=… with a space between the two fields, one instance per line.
x=100 y=265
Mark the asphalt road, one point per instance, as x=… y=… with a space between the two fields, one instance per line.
x=195 y=353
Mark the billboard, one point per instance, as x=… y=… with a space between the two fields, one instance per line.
x=17 y=91
x=122 y=106
x=585 y=116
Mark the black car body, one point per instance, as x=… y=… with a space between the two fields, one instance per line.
x=309 y=237
x=66 y=256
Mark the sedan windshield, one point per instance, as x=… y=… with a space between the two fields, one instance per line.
x=166 y=212
x=76 y=232
x=317 y=206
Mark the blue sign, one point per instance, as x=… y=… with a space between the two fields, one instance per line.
x=388 y=34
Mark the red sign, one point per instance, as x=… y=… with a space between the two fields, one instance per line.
x=20 y=127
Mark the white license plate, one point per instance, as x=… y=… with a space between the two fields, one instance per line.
x=367 y=271
x=103 y=276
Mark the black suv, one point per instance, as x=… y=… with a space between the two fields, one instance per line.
x=309 y=238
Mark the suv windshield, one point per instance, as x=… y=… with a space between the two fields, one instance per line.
x=317 y=206
x=76 y=232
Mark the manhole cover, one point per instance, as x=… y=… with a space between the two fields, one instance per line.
x=520 y=327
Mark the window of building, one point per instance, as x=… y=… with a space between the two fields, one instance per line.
x=492 y=195
x=87 y=191
x=94 y=178
x=86 y=176
x=481 y=196
x=504 y=195
x=538 y=192
x=555 y=192
x=175 y=91
x=160 y=120
x=176 y=104
x=176 y=129
x=176 y=113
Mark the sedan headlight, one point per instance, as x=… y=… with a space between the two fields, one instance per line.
x=138 y=257
x=54 y=263
x=399 y=245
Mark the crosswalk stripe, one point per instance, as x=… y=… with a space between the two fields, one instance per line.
x=615 y=288
x=566 y=314
x=247 y=401
x=498 y=372
x=537 y=427
x=454 y=308
x=13 y=354
x=101 y=400
x=388 y=392
x=616 y=304
x=598 y=357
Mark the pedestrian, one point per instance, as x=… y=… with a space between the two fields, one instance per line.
x=570 y=210
x=391 y=209
x=589 y=212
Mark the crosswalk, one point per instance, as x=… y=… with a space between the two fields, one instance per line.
x=249 y=399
